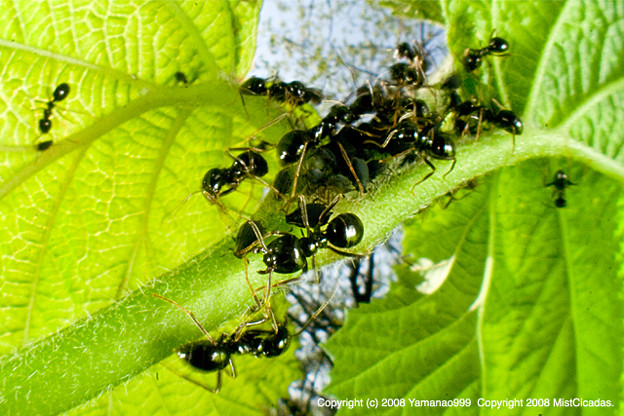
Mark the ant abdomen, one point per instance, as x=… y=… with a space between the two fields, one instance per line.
x=345 y=230
x=206 y=356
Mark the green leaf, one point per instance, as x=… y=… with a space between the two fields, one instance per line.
x=530 y=305
x=424 y=10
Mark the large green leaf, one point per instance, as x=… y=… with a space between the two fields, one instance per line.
x=530 y=304
x=99 y=213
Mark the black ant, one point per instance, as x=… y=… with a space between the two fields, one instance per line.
x=215 y=355
x=218 y=182
x=45 y=124
x=294 y=93
x=288 y=253
x=469 y=112
x=473 y=57
x=559 y=183
x=428 y=143
x=212 y=355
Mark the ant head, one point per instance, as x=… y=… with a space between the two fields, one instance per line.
x=498 y=46
x=285 y=255
x=214 y=180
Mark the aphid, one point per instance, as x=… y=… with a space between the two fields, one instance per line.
x=45 y=123
x=559 y=184
x=473 y=57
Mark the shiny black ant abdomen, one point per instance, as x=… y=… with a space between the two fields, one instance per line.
x=44 y=145
x=474 y=57
x=508 y=121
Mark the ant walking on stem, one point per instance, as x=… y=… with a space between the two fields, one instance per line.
x=210 y=354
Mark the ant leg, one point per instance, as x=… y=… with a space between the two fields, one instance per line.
x=267 y=303
x=189 y=313
x=346 y=158
x=433 y=169
x=244 y=105
x=450 y=169
x=329 y=207
x=296 y=177
x=319 y=310
x=268 y=185
x=385 y=143
x=346 y=253
x=403 y=153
